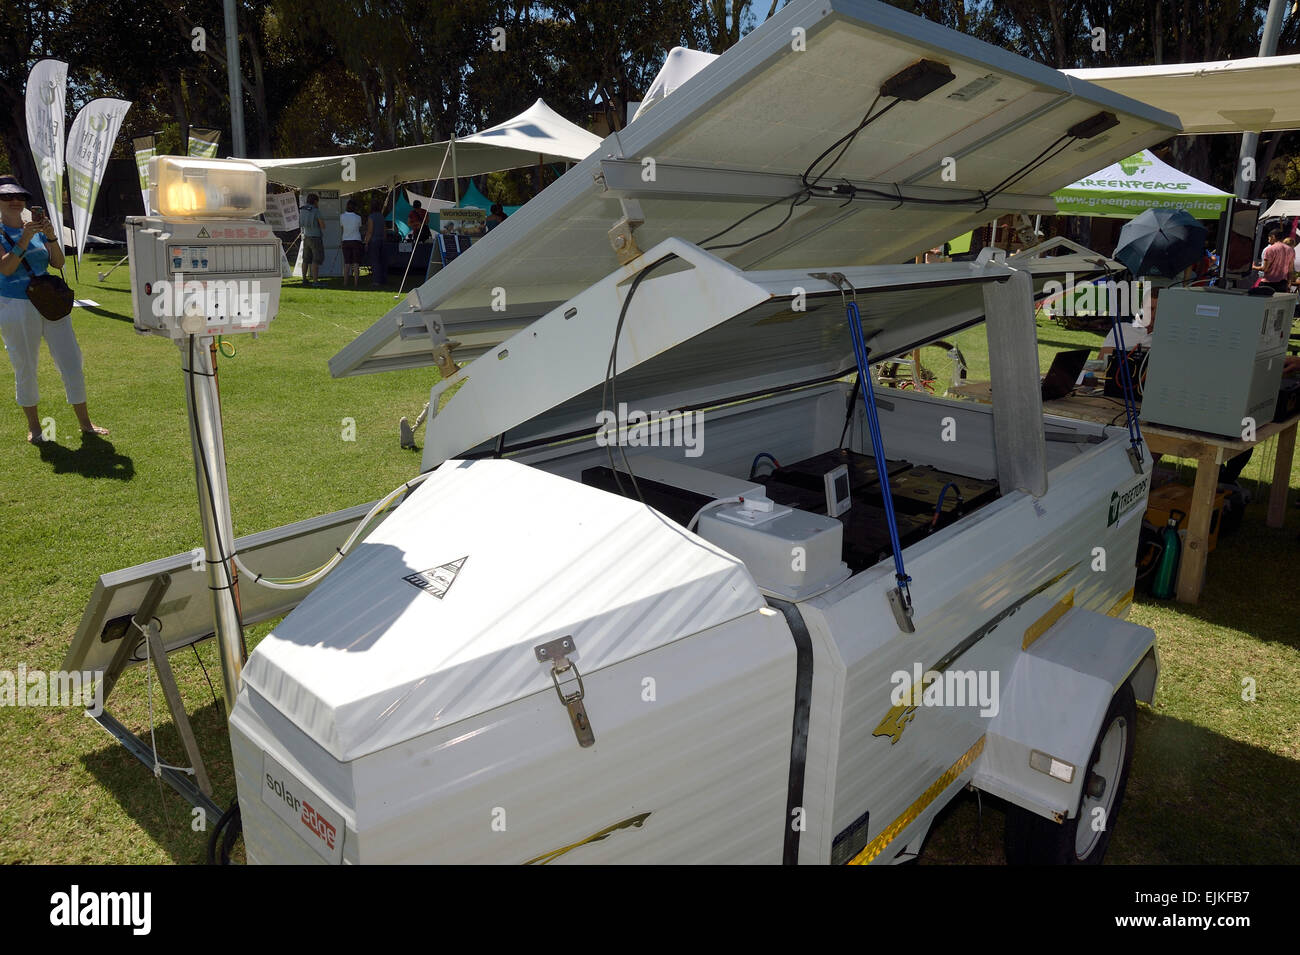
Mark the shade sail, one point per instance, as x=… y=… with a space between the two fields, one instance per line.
x=1282 y=207
x=1255 y=94
x=679 y=66
x=1136 y=183
x=539 y=131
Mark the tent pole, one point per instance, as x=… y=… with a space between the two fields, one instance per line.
x=455 y=182
x=1250 y=141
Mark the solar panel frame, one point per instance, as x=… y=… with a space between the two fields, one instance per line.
x=705 y=136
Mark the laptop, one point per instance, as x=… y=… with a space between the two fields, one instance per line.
x=1066 y=368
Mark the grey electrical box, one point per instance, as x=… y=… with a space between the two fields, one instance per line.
x=1216 y=359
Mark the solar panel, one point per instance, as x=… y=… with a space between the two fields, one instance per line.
x=740 y=133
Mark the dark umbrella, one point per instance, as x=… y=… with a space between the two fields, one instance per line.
x=1161 y=242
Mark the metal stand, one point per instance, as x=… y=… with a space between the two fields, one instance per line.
x=199 y=795
x=209 y=449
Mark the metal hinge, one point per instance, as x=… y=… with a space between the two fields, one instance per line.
x=556 y=653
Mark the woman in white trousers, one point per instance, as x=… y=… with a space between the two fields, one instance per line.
x=24 y=252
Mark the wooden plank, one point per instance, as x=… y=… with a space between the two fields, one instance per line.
x=1191 y=568
x=1281 y=476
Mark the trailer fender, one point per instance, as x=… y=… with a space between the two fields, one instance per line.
x=1039 y=742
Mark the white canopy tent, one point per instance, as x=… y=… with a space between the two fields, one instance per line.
x=1136 y=183
x=679 y=66
x=1282 y=207
x=1227 y=96
x=539 y=134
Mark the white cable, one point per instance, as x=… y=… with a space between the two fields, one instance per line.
x=316 y=575
x=718 y=503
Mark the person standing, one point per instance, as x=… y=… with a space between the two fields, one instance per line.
x=27 y=249
x=376 y=253
x=496 y=217
x=416 y=220
x=313 y=240
x=352 y=243
x=1277 y=262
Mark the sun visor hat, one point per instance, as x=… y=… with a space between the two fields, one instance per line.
x=10 y=187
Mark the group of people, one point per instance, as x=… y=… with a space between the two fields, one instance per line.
x=1280 y=262
x=361 y=241
x=362 y=237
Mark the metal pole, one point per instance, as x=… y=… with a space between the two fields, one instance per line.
x=208 y=446
x=232 y=77
x=455 y=182
x=1250 y=141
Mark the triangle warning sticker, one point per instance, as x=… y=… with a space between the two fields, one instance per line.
x=203 y=233
x=437 y=580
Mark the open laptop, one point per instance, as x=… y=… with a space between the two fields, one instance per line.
x=1066 y=368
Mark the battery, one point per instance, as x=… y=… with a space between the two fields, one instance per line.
x=810 y=472
x=917 y=490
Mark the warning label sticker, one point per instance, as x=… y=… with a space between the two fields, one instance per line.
x=437 y=580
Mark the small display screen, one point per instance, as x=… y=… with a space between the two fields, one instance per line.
x=841 y=487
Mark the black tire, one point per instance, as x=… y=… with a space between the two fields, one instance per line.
x=1032 y=840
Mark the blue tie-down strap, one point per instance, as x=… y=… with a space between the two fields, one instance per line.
x=1130 y=401
x=901 y=599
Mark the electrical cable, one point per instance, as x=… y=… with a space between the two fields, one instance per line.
x=712 y=504
x=610 y=384
x=759 y=457
x=211 y=689
x=311 y=577
x=224 y=833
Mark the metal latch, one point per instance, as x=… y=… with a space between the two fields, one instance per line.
x=556 y=653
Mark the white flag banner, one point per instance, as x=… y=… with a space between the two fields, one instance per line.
x=146 y=147
x=47 y=87
x=90 y=141
x=281 y=211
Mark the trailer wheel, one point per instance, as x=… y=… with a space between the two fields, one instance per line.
x=1033 y=840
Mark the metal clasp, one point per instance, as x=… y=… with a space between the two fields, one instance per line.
x=556 y=653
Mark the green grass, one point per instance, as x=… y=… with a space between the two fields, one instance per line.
x=1213 y=779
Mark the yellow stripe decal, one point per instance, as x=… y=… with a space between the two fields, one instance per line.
x=635 y=822
x=1121 y=604
x=1047 y=620
x=877 y=845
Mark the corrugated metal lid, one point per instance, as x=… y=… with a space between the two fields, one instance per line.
x=434 y=617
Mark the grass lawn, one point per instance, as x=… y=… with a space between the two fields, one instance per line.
x=1213 y=779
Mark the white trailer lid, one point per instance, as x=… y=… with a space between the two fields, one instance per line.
x=435 y=616
x=739 y=134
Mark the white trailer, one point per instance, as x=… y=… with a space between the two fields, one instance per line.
x=585 y=641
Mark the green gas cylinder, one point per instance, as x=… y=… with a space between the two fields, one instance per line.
x=1162 y=588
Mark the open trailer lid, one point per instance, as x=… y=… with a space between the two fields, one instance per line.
x=700 y=333
x=999 y=136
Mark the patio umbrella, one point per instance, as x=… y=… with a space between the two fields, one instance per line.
x=1161 y=242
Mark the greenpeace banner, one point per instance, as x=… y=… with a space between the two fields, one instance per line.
x=203 y=142
x=46 y=90
x=90 y=141
x=146 y=147
x=1137 y=183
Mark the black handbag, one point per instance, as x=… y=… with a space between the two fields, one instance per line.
x=49 y=293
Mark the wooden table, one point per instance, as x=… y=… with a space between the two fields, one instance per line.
x=1209 y=451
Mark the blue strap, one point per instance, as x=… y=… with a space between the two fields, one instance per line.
x=1126 y=384
x=862 y=356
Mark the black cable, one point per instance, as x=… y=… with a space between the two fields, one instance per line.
x=231 y=824
x=195 y=647
x=847 y=139
x=611 y=376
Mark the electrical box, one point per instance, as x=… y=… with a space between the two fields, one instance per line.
x=1216 y=359
x=202 y=276
x=205 y=264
